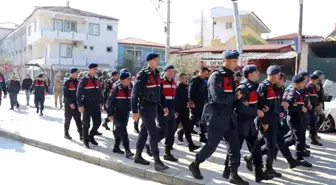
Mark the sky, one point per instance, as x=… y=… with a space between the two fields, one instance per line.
x=139 y=18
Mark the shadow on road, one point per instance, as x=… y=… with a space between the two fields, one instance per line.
x=5 y=144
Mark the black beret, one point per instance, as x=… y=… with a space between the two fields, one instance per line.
x=314 y=76
x=249 y=69
x=167 y=67
x=73 y=70
x=114 y=73
x=230 y=54
x=151 y=56
x=273 y=70
x=304 y=74
x=92 y=65
x=298 y=79
x=123 y=75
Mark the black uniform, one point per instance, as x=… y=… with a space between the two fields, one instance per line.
x=2 y=87
x=69 y=92
x=13 y=89
x=40 y=89
x=89 y=96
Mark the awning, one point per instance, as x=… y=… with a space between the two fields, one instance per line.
x=254 y=56
x=80 y=67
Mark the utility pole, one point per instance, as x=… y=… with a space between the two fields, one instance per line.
x=299 y=54
x=237 y=25
x=202 y=31
x=167 y=49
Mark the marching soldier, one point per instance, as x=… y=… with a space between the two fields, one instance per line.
x=118 y=108
x=71 y=106
x=295 y=117
x=89 y=103
x=146 y=95
x=58 y=89
x=2 y=87
x=40 y=89
x=219 y=113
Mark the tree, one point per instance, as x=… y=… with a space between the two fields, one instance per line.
x=129 y=63
x=186 y=63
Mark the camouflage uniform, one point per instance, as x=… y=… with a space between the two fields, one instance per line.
x=58 y=84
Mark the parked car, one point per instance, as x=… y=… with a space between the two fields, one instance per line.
x=329 y=117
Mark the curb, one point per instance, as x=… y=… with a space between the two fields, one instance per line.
x=172 y=176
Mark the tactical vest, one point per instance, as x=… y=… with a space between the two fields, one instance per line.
x=168 y=89
x=152 y=86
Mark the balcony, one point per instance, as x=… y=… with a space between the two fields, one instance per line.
x=49 y=35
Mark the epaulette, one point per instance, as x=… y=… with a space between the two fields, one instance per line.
x=146 y=70
x=221 y=71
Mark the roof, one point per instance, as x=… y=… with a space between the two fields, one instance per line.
x=293 y=36
x=141 y=42
x=254 y=56
x=246 y=48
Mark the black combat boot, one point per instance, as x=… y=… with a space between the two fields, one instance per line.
x=194 y=169
x=304 y=163
x=128 y=153
x=314 y=141
x=116 y=149
x=180 y=135
x=306 y=153
x=226 y=172
x=41 y=112
x=292 y=162
x=86 y=143
x=105 y=125
x=260 y=175
x=139 y=159
x=148 y=150
x=17 y=105
x=168 y=156
x=235 y=178
x=37 y=110
x=158 y=164
x=67 y=135
x=193 y=147
x=12 y=108
x=271 y=171
x=98 y=133
x=249 y=162
x=136 y=127
x=92 y=140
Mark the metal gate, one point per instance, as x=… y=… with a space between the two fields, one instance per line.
x=327 y=65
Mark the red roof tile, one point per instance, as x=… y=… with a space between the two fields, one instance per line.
x=141 y=42
x=292 y=36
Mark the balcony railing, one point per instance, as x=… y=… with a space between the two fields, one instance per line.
x=56 y=35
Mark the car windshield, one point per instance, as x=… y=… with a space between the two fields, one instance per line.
x=330 y=89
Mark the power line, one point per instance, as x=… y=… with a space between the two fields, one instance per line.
x=157 y=10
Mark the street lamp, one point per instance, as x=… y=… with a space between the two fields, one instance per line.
x=237 y=25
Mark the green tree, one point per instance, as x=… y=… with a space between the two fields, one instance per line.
x=129 y=63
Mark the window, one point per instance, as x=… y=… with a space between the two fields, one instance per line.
x=109 y=28
x=66 y=50
x=91 y=48
x=94 y=29
x=58 y=25
x=29 y=30
x=35 y=26
x=70 y=26
x=136 y=54
x=85 y=47
x=109 y=49
x=228 y=25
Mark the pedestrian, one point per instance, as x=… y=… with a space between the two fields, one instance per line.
x=2 y=87
x=118 y=108
x=89 y=100
x=58 y=84
x=321 y=99
x=219 y=114
x=40 y=89
x=238 y=77
x=198 y=94
x=146 y=95
x=70 y=102
x=13 y=89
x=26 y=84
x=182 y=108
x=295 y=117
x=247 y=110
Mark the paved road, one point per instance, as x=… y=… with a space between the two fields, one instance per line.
x=26 y=165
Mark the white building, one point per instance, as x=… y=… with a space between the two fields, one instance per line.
x=58 y=38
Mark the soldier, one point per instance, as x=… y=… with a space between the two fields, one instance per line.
x=40 y=89
x=182 y=109
x=58 y=84
x=71 y=106
x=118 y=108
x=89 y=103
x=247 y=110
x=295 y=117
x=219 y=113
x=311 y=88
x=146 y=95
x=269 y=101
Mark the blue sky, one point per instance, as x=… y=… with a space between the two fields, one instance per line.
x=139 y=19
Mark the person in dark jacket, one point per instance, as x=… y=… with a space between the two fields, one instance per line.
x=198 y=94
x=182 y=108
x=40 y=89
x=89 y=100
x=26 y=84
x=2 y=87
x=118 y=108
x=70 y=104
x=13 y=88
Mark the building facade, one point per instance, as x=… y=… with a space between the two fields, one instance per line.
x=57 y=38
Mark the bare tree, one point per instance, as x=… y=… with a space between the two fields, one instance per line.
x=186 y=63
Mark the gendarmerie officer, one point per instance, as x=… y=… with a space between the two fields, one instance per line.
x=40 y=89
x=269 y=102
x=118 y=108
x=182 y=109
x=295 y=117
x=146 y=95
x=108 y=87
x=89 y=103
x=247 y=110
x=70 y=104
x=219 y=114
x=2 y=87
x=311 y=88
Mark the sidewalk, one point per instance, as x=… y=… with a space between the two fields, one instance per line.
x=46 y=132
